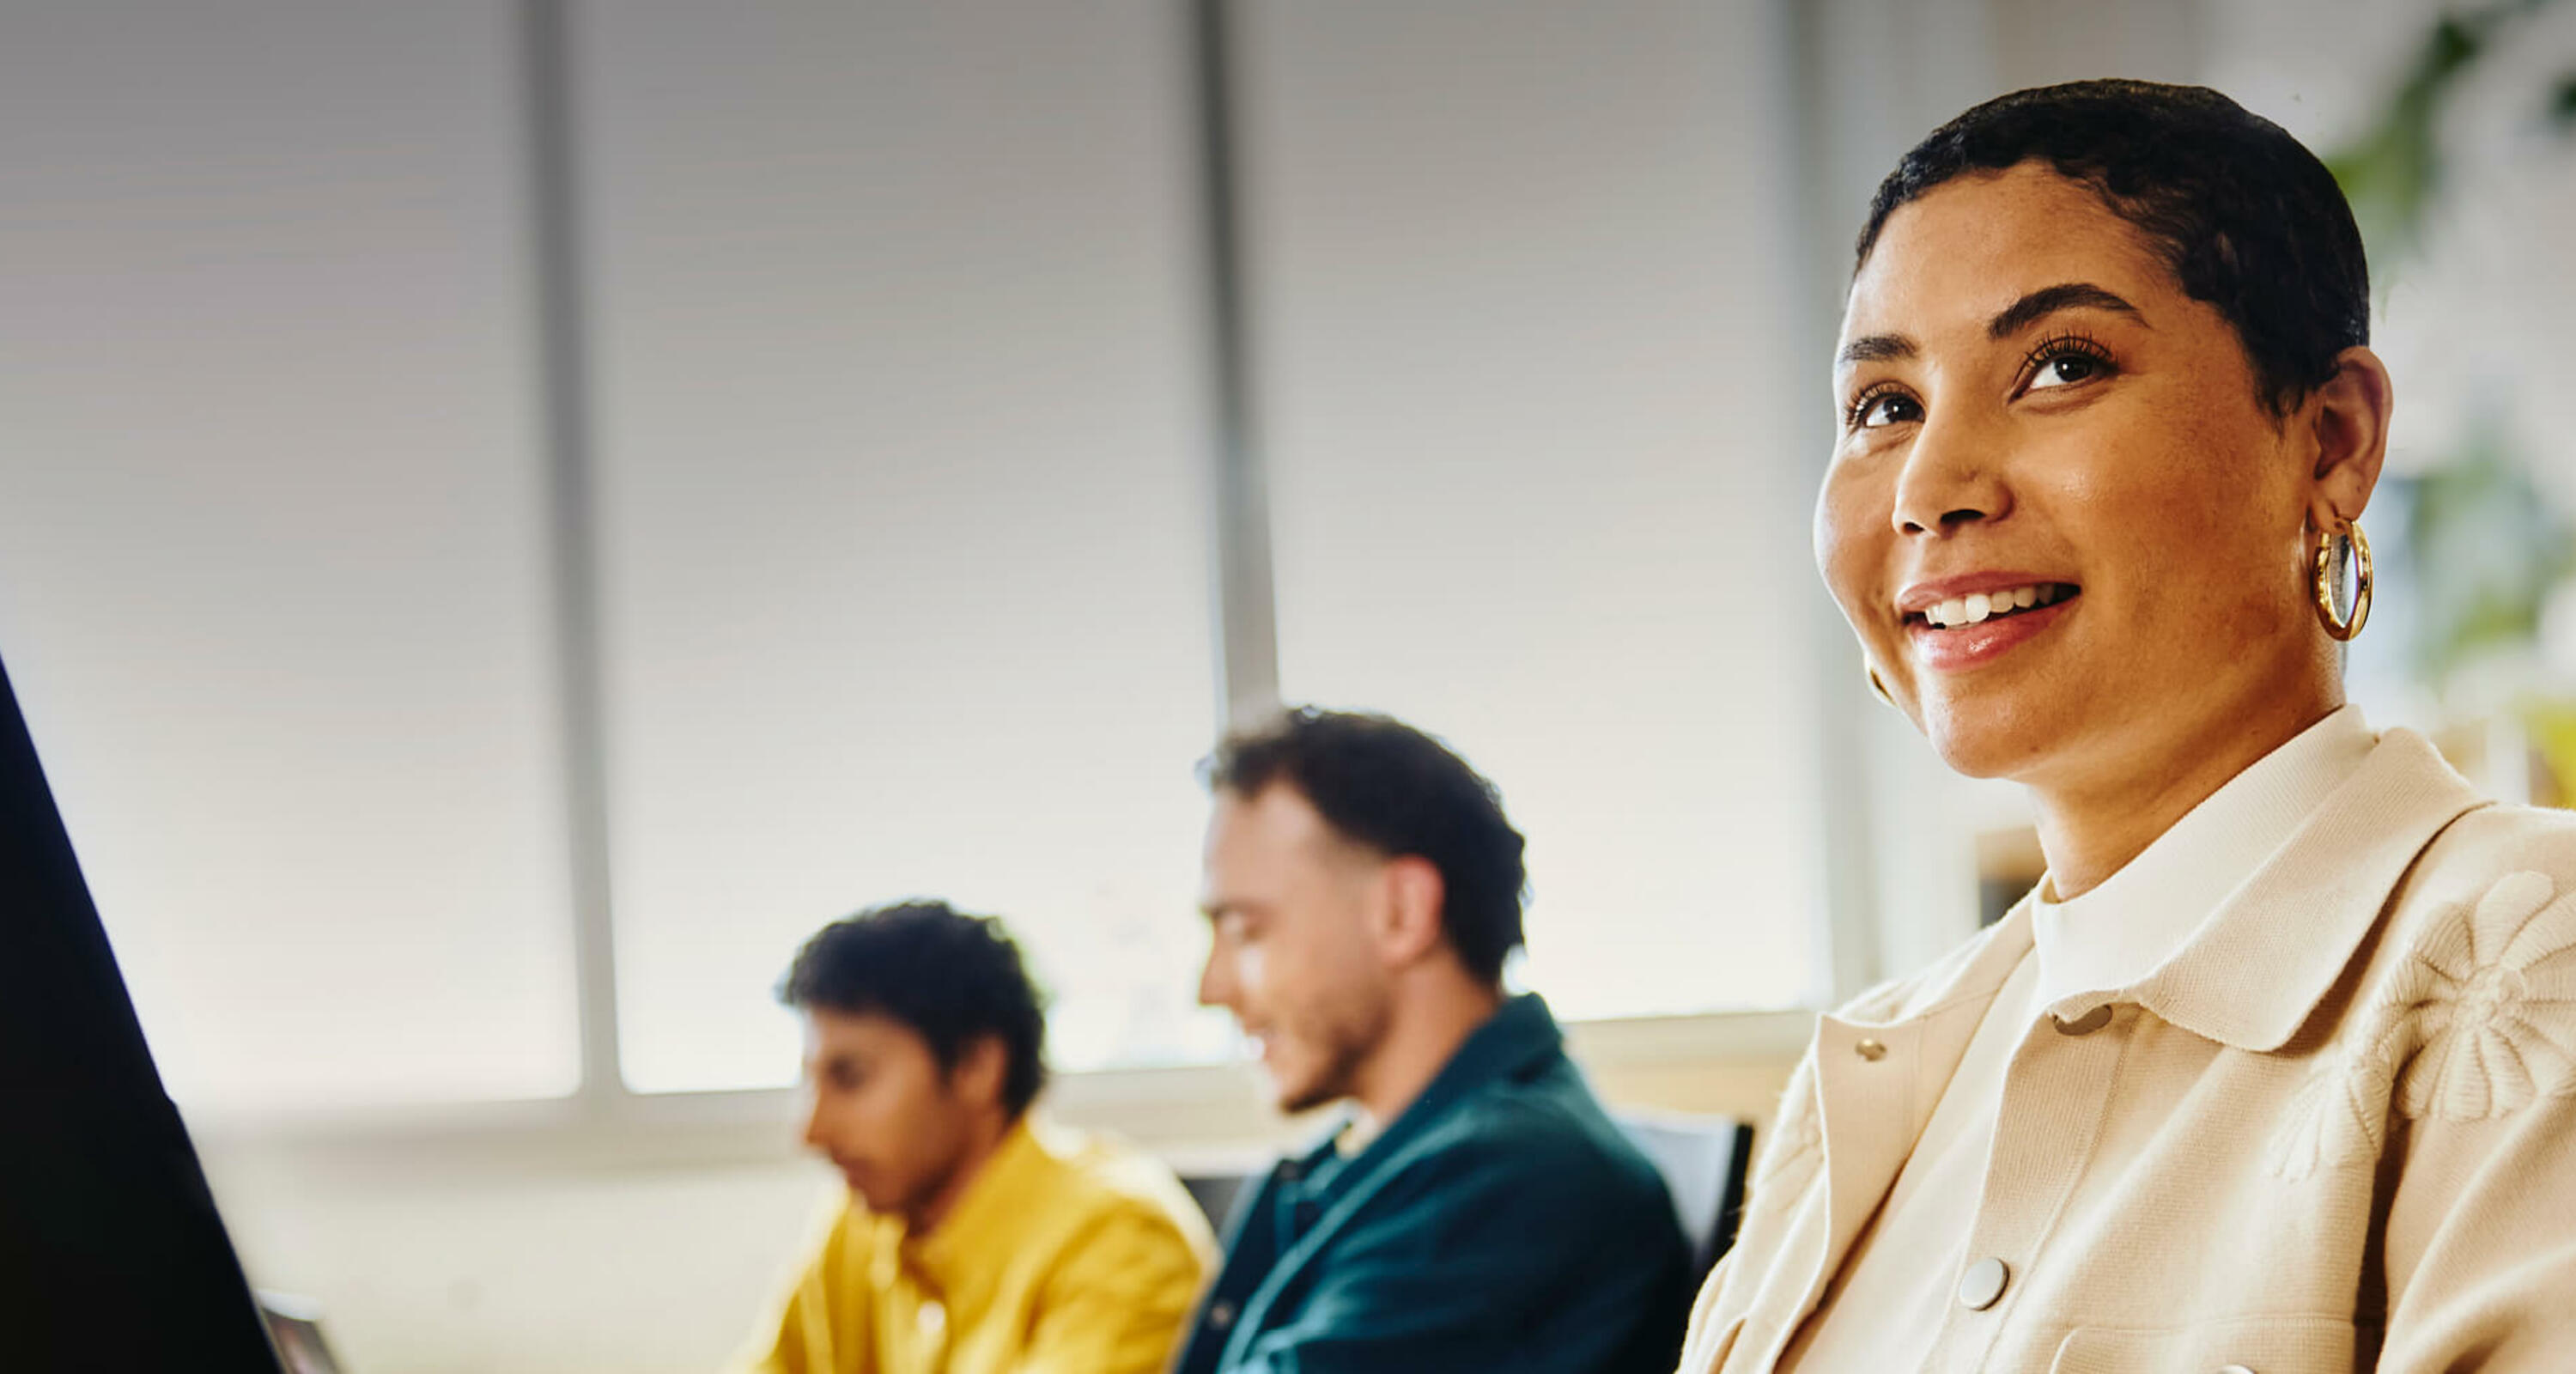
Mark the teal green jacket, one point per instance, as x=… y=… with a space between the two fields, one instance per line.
x=1502 y=1224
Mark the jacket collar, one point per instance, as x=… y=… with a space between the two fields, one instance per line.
x=2130 y=923
x=2256 y=969
x=1968 y=976
x=2252 y=975
x=1519 y=1036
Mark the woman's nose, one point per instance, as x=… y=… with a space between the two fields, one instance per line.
x=1951 y=479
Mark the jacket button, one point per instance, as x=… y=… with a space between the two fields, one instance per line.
x=1220 y=1314
x=2086 y=1024
x=1983 y=1284
x=1871 y=1050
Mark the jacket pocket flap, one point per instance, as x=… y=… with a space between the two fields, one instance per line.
x=2252 y=1345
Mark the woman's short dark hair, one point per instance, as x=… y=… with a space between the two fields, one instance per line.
x=2247 y=218
x=951 y=977
x=1388 y=786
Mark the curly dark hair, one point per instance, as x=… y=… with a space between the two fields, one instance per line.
x=953 y=978
x=1386 y=785
x=2246 y=217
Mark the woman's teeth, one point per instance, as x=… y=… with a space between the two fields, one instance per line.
x=1971 y=610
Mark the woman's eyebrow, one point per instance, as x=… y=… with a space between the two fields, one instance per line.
x=1874 y=348
x=2014 y=318
x=2048 y=300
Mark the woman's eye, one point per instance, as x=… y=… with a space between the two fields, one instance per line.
x=1890 y=408
x=2066 y=369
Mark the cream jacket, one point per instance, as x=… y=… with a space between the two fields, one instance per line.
x=2336 y=1131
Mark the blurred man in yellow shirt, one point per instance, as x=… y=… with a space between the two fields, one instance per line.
x=978 y=1238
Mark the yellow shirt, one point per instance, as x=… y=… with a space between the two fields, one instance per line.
x=1066 y=1255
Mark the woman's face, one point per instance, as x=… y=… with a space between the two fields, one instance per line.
x=2068 y=532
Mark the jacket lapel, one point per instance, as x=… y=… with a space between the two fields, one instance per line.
x=1876 y=1083
x=1519 y=1036
x=2256 y=970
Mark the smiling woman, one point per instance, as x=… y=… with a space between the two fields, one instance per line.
x=2039 y=405
x=2275 y=1066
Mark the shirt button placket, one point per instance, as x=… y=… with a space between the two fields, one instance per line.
x=2043 y=1143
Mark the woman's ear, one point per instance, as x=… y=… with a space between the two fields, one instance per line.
x=2350 y=430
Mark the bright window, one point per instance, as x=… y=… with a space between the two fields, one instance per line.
x=1532 y=475
x=273 y=563
x=904 y=535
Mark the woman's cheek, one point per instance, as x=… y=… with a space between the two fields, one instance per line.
x=1844 y=549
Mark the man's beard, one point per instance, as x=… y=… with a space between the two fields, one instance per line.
x=1348 y=1034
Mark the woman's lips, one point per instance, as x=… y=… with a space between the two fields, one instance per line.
x=1972 y=646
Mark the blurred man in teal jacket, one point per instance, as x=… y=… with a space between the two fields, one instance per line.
x=1473 y=1208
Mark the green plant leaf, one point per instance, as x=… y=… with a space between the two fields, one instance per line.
x=2392 y=173
x=2487 y=550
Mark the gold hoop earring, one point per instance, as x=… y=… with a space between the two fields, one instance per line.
x=2343 y=626
x=1874 y=684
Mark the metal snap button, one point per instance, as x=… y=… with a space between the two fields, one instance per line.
x=2086 y=1024
x=1220 y=1314
x=1983 y=1283
x=1871 y=1050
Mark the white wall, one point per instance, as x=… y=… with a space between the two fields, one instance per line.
x=422 y=1264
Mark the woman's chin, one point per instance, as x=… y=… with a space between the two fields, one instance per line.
x=1985 y=739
